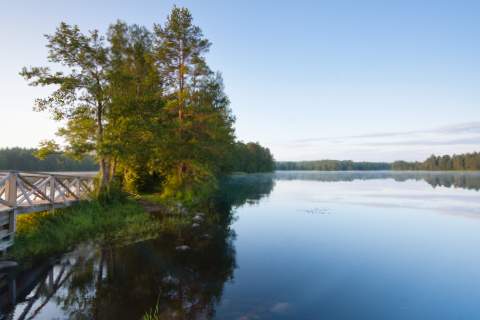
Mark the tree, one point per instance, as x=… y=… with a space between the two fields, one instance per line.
x=180 y=49
x=144 y=103
x=198 y=124
x=81 y=98
x=252 y=157
x=136 y=90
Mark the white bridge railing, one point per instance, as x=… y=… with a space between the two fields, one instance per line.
x=23 y=192
x=32 y=191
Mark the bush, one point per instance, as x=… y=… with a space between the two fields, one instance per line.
x=190 y=184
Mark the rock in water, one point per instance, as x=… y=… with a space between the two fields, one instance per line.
x=197 y=218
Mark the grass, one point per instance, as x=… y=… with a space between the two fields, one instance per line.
x=47 y=233
x=153 y=314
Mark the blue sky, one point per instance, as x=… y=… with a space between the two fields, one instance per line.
x=361 y=80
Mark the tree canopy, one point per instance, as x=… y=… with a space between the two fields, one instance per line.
x=145 y=104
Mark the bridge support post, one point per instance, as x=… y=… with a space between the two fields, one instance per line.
x=52 y=189
x=11 y=190
x=11 y=199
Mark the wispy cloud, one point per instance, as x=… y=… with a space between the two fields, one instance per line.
x=457 y=129
x=462 y=141
x=385 y=146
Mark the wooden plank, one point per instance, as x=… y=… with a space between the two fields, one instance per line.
x=4 y=179
x=35 y=189
x=26 y=195
x=61 y=193
x=4 y=218
x=67 y=189
x=12 y=226
x=5 y=245
x=86 y=186
x=11 y=188
x=4 y=233
x=5 y=203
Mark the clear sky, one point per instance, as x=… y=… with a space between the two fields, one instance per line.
x=362 y=80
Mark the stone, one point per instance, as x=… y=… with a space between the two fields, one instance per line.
x=197 y=218
x=182 y=248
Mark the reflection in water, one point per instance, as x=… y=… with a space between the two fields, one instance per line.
x=419 y=190
x=241 y=189
x=464 y=180
x=125 y=282
x=311 y=249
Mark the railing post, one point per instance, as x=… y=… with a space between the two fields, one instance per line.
x=52 y=189
x=78 y=186
x=11 y=190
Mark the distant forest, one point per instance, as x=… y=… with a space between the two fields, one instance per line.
x=332 y=165
x=467 y=161
x=24 y=159
x=246 y=157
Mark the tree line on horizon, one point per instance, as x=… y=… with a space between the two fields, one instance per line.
x=25 y=159
x=248 y=157
x=467 y=161
x=145 y=104
x=331 y=165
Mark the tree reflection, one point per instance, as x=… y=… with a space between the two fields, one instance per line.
x=464 y=180
x=126 y=281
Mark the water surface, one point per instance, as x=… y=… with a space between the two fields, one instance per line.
x=289 y=245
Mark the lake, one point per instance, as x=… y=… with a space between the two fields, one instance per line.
x=288 y=245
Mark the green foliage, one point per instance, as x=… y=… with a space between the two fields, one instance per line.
x=114 y=193
x=47 y=147
x=467 y=161
x=146 y=104
x=331 y=165
x=251 y=157
x=81 y=97
x=191 y=184
x=27 y=160
x=50 y=232
x=153 y=314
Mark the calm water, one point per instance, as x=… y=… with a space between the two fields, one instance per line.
x=291 y=245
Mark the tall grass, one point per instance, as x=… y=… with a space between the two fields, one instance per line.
x=58 y=231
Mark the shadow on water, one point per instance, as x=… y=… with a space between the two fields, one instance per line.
x=126 y=281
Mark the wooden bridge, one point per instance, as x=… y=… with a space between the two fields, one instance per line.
x=24 y=192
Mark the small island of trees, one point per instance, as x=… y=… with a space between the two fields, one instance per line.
x=145 y=105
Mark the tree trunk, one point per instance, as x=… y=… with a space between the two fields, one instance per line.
x=104 y=175
x=104 y=163
x=113 y=168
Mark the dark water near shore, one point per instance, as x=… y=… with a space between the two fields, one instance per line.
x=289 y=245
